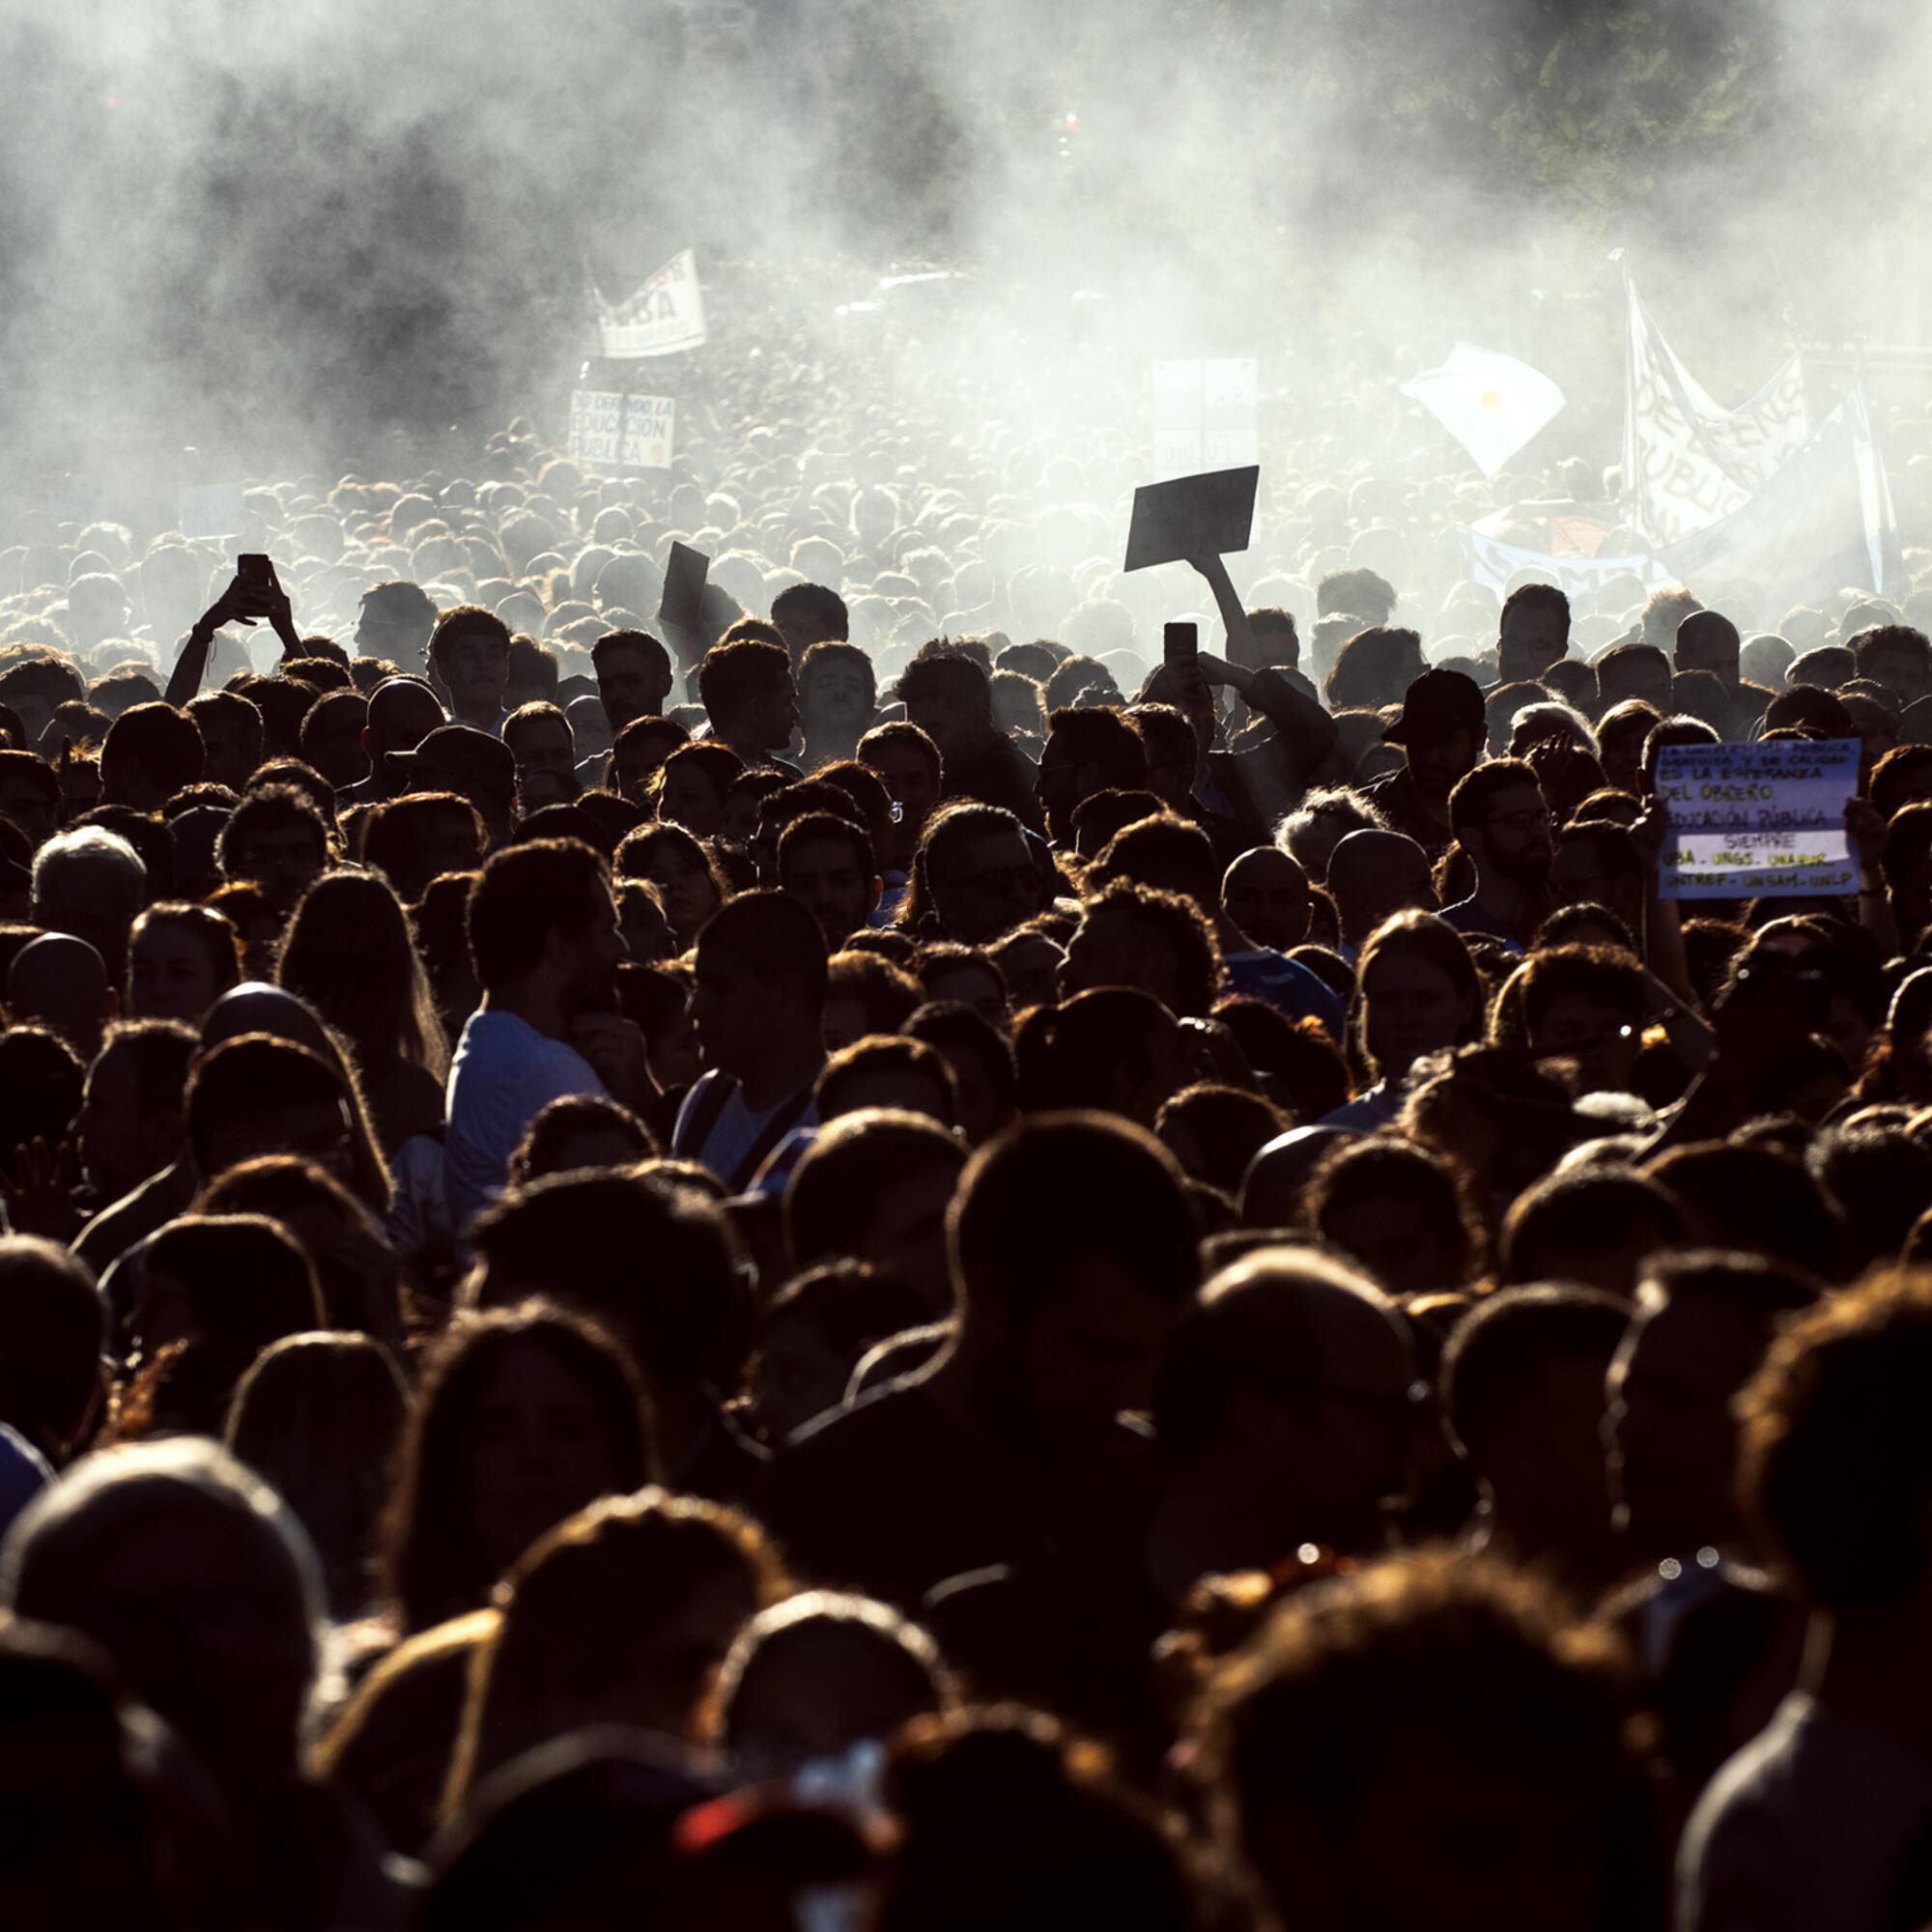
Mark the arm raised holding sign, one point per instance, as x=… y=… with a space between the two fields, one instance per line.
x=1198 y=520
x=1241 y=647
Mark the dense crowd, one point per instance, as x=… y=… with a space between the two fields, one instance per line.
x=859 y=1253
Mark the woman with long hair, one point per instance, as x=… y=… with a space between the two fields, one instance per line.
x=526 y=1415
x=349 y=952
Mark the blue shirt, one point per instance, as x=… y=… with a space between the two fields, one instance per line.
x=1287 y=984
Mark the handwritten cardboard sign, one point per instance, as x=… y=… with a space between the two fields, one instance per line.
x=612 y=430
x=1758 y=821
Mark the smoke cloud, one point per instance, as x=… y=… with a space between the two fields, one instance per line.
x=292 y=236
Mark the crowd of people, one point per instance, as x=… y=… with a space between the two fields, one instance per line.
x=864 y=1255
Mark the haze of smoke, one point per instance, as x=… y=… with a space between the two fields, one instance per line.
x=282 y=232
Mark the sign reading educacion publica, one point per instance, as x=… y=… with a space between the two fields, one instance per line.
x=1758 y=821
x=618 y=432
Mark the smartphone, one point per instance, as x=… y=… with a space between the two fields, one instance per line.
x=1179 y=643
x=256 y=569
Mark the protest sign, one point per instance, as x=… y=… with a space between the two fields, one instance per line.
x=685 y=576
x=651 y=432
x=596 y=426
x=612 y=431
x=1757 y=821
x=209 y=510
x=663 y=316
x=1204 y=415
x=1192 y=514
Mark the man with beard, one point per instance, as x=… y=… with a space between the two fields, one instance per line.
x=543 y=934
x=633 y=676
x=746 y=691
x=1500 y=819
x=1442 y=731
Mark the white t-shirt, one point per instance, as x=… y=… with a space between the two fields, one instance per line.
x=1805 y=1829
x=735 y=1133
x=504 y=1073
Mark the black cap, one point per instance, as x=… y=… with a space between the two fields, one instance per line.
x=458 y=755
x=1436 y=705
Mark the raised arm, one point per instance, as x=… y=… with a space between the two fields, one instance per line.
x=242 y=602
x=1235 y=625
x=1304 y=733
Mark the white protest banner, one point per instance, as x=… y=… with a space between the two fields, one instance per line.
x=612 y=431
x=1205 y=415
x=1826 y=512
x=663 y=316
x=209 y=510
x=1757 y=821
x=1689 y=463
x=1491 y=403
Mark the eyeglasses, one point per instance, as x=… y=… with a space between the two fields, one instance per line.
x=1527 y=820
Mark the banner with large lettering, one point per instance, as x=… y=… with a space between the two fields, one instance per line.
x=1826 y=513
x=663 y=316
x=1688 y=462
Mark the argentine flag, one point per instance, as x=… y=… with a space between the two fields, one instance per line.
x=1491 y=403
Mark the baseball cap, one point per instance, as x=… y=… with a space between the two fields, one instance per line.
x=1437 y=703
x=454 y=757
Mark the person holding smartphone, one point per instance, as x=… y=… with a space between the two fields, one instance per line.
x=255 y=595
